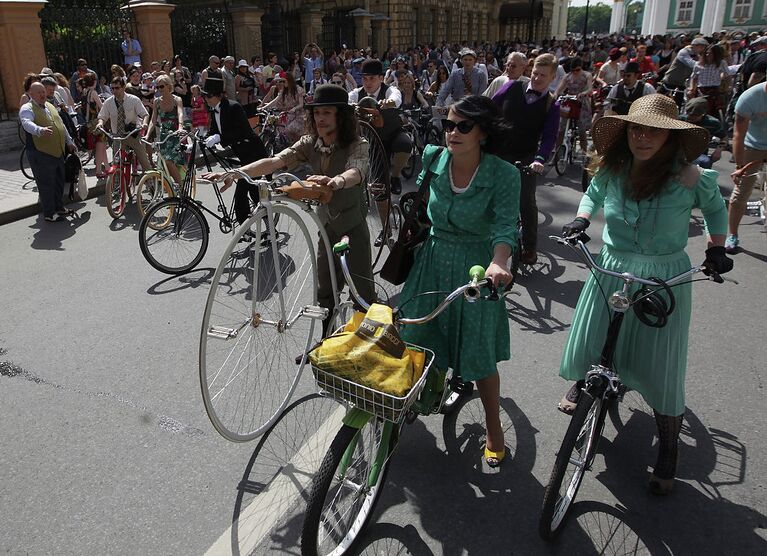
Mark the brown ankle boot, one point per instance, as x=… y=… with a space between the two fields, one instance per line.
x=662 y=478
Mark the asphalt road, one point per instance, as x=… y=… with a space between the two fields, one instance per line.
x=106 y=447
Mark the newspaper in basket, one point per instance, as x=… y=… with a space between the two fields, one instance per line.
x=383 y=405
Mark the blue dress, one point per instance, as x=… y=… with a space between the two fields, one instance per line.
x=468 y=337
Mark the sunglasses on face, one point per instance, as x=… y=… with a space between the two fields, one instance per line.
x=337 y=82
x=464 y=126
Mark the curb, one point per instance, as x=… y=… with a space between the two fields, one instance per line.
x=25 y=211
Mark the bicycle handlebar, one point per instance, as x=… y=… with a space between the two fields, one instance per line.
x=472 y=291
x=157 y=144
x=576 y=242
x=114 y=137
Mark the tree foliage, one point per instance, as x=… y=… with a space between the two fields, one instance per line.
x=599 y=18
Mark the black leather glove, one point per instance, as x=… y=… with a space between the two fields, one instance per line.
x=577 y=226
x=717 y=260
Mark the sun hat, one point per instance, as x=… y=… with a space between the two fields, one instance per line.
x=658 y=111
x=46 y=71
x=697 y=106
x=329 y=95
x=467 y=52
x=242 y=63
x=372 y=67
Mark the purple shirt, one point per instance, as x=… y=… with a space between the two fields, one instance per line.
x=550 y=126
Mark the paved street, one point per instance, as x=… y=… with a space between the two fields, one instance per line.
x=106 y=447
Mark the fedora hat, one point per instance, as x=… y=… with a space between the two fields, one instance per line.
x=329 y=95
x=658 y=111
x=213 y=87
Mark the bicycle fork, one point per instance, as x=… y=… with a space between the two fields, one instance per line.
x=356 y=418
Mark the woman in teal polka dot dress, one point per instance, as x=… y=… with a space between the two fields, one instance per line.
x=474 y=208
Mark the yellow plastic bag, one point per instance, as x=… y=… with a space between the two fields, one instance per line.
x=369 y=351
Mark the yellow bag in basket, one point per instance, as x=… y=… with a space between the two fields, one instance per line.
x=369 y=351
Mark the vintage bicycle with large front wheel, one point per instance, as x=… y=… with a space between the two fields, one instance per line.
x=652 y=304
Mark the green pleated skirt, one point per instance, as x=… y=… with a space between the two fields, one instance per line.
x=470 y=338
x=652 y=361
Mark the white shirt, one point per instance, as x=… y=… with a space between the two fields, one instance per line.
x=27 y=117
x=217 y=115
x=391 y=93
x=499 y=82
x=557 y=79
x=134 y=111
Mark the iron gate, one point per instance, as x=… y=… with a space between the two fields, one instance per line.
x=337 y=29
x=90 y=29
x=201 y=28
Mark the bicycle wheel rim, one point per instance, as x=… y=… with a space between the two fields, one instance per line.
x=560 y=160
x=151 y=189
x=173 y=236
x=115 y=195
x=26 y=169
x=254 y=327
x=573 y=461
x=348 y=500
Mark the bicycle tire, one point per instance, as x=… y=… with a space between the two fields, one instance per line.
x=151 y=189
x=332 y=483
x=26 y=169
x=115 y=195
x=254 y=326
x=268 y=139
x=377 y=193
x=173 y=236
x=560 y=160
x=580 y=439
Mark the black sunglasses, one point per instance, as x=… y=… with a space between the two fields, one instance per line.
x=464 y=126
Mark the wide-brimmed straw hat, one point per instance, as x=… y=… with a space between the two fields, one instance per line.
x=657 y=111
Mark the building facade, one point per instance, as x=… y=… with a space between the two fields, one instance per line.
x=702 y=16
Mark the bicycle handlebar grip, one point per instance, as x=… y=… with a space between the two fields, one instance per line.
x=342 y=246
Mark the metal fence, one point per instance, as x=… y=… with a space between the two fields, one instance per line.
x=89 y=29
x=201 y=28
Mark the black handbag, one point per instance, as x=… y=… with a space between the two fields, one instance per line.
x=414 y=231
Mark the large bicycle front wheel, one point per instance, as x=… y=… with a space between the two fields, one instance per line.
x=343 y=496
x=152 y=188
x=378 y=193
x=258 y=324
x=573 y=460
x=115 y=194
x=173 y=236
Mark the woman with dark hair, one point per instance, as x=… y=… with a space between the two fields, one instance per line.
x=708 y=76
x=289 y=99
x=474 y=208
x=644 y=180
x=182 y=83
x=91 y=105
x=578 y=82
x=338 y=155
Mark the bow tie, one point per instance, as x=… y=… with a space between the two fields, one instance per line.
x=534 y=92
x=217 y=110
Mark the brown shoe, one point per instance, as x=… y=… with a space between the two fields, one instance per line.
x=529 y=256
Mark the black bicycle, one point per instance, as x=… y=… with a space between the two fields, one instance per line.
x=174 y=234
x=652 y=304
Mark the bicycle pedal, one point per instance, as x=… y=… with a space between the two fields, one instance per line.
x=222 y=332
x=315 y=312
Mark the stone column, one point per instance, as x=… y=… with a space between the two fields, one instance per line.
x=362 y=31
x=246 y=27
x=381 y=26
x=23 y=49
x=311 y=26
x=562 y=31
x=713 y=16
x=153 y=29
x=616 y=18
x=554 y=19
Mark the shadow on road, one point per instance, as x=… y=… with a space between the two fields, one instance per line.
x=192 y=279
x=50 y=236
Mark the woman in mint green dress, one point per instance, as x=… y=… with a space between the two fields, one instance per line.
x=474 y=208
x=647 y=188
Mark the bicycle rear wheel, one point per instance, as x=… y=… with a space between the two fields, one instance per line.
x=260 y=315
x=573 y=460
x=115 y=194
x=26 y=169
x=560 y=160
x=173 y=236
x=151 y=188
x=342 y=500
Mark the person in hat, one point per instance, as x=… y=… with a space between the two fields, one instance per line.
x=696 y=113
x=229 y=126
x=644 y=180
x=338 y=157
x=622 y=95
x=288 y=99
x=610 y=72
x=466 y=80
x=396 y=142
x=245 y=85
x=681 y=67
x=749 y=144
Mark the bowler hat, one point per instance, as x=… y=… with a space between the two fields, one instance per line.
x=632 y=67
x=329 y=95
x=213 y=87
x=372 y=67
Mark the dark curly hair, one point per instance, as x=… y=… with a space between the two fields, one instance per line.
x=346 y=122
x=487 y=115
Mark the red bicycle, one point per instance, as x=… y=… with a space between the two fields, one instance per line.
x=122 y=175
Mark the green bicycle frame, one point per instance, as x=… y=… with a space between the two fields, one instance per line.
x=357 y=419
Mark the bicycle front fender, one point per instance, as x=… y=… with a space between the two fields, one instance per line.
x=356 y=418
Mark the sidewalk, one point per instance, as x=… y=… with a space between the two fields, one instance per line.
x=18 y=195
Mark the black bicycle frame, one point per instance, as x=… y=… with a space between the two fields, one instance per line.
x=608 y=350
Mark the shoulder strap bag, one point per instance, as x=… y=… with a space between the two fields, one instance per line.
x=414 y=231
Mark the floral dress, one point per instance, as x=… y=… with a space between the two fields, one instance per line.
x=294 y=120
x=470 y=338
x=168 y=123
x=646 y=238
x=575 y=85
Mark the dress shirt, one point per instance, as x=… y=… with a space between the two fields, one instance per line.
x=27 y=117
x=217 y=115
x=455 y=86
x=134 y=111
x=135 y=57
x=391 y=93
x=613 y=94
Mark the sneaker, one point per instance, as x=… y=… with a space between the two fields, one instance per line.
x=731 y=244
x=396 y=186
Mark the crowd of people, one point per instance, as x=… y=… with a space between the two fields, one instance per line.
x=497 y=106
